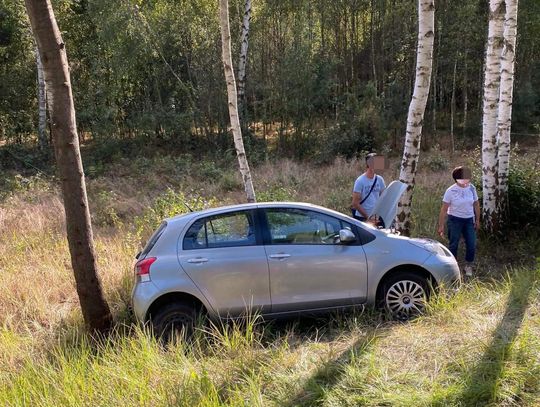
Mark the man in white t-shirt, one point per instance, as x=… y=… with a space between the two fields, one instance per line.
x=460 y=204
x=367 y=189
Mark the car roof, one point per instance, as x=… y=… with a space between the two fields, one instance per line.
x=186 y=217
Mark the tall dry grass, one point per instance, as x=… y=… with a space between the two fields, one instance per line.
x=480 y=346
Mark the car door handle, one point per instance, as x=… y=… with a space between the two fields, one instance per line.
x=279 y=256
x=198 y=260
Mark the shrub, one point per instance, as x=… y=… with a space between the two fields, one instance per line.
x=437 y=161
x=167 y=205
x=276 y=193
x=523 y=196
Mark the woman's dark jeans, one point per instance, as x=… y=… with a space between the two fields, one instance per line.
x=458 y=227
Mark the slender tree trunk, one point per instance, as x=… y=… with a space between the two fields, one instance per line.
x=465 y=97
x=504 y=121
x=490 y=110
x=453 y=108
x=244 y=43
x=52 y=50
x=435 y=77
x=42 y=105
x=372 y=36
x=424 y=60
x=233 y=99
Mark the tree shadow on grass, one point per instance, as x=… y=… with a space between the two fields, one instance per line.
x=483 y=383
x=330 y=373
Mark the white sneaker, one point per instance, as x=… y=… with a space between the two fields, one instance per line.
x=468 y=270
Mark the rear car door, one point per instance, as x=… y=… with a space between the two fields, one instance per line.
x=224 y=256
x=309 y=268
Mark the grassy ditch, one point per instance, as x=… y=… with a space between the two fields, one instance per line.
x=478 y=347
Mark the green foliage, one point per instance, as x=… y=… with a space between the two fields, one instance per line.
x=12 y=184
x=170 y=203
x=323 y=80
x=523 y=196
x=276 y=192
x=360 y=124
x=437 y=160
x=105 y=212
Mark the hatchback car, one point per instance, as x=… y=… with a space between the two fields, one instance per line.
x=283 y=258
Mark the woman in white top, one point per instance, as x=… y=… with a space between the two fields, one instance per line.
x=460 y=204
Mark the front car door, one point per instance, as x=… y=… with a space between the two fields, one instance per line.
x=309 y=268
x=224 y=256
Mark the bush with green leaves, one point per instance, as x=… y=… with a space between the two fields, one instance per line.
x=167 y=205
x=361 y=121
x=523 y=196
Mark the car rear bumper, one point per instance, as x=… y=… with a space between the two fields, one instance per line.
x=142 y=296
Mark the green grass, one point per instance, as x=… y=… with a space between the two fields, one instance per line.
x=480 y=346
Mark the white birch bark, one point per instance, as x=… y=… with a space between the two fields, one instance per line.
x=504 y=120
x=233 y=99
x=424 y=61
x=244 y=43
x=490 y=110
x=42 y=104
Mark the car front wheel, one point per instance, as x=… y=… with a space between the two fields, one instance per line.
x=405 y=295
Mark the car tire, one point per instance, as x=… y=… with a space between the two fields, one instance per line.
x=174 y=321
x=404 y=295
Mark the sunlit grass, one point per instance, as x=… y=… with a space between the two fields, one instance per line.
x=479 y=346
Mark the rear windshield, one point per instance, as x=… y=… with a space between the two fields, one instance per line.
x=153 y=239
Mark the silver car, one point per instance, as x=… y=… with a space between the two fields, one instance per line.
x=283 y=258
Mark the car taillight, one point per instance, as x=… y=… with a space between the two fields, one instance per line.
x=142 y=268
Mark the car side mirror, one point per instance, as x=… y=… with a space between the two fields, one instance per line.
x=346 y=236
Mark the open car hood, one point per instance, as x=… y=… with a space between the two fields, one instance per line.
x=386 y=206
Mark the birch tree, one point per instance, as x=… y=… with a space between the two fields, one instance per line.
x=504 y=117
x=490 y=111
x=415 y=118
x=42 y=105
x=233 y=99
x=52 y=50
x=244 y=43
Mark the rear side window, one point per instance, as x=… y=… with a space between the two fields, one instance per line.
x=228 y=230
x=153 y=239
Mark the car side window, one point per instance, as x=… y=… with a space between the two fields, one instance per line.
x=228 y=230
x=297 y=226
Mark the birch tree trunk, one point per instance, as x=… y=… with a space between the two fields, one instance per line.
x=52 y=50
x=424 y=60
x=453 y=108
x=490 y=111
x=244 y=43
x=42 y=105
x=233 y=99
x=504 y=120
x=465 y=98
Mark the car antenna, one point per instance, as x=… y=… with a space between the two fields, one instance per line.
x=187 y=206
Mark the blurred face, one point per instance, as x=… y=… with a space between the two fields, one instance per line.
x=377 y=163
x=465 y=179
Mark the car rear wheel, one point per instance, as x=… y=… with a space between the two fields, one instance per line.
x=405 y=295
x=174 y=321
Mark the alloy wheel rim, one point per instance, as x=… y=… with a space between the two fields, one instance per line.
x=405 y=298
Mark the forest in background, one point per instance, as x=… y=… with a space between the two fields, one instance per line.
x=324 y=78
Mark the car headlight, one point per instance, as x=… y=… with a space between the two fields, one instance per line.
x=432 y=246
